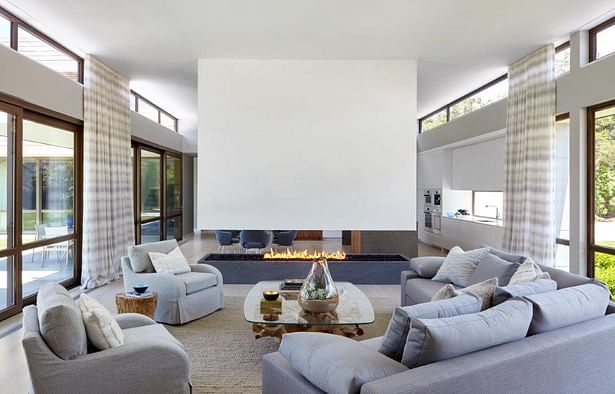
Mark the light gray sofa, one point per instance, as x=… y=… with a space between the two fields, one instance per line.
x=181 y=298
x=573 y=359
x=417 y=286
x=150 y=361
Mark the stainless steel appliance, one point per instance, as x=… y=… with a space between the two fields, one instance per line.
x=436 y=197
x=428 y=197
x=428 y=223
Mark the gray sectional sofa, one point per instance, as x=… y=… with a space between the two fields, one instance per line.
x=577 y=358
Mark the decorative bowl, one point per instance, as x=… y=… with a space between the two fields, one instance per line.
x=319 y=306
x=271 y=295
x=140 y=289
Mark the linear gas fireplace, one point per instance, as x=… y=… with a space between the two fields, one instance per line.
x=356 y=268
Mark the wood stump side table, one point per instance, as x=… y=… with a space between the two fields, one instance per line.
x=145 y=305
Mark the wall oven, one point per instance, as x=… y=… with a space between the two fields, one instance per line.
x=427 y=222
x=427 y=197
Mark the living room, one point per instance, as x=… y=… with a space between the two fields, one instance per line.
x=303 y=198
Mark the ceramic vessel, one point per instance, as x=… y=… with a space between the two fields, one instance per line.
x=318 y=293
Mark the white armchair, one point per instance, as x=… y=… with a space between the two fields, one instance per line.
x=181 y=298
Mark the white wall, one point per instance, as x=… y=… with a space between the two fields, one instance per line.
x=324 y=144
x=28 y=80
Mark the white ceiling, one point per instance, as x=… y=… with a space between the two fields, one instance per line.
x=459 y=44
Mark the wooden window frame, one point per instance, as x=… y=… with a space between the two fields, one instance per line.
x=23 y=111
x=138 y=98
x=138 y=145
x=592 y=248
x=17 y=23
x=593 y=32
x=560 y=117
x=448 y=106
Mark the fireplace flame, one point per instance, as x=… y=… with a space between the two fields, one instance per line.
x=303 y=255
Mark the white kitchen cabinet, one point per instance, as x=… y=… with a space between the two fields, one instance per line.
x=479 y=166
x=430 y=170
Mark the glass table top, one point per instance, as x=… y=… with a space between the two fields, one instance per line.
x=354 y=307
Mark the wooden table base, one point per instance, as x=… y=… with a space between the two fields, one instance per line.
x=276 y=331
x=145 y=305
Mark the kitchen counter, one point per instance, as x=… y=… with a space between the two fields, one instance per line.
x=477 y=220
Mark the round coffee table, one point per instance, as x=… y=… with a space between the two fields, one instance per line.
x=145 y=304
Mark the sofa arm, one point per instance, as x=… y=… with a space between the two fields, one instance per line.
x=131 y=320
x=148 y=366
x=210 y=269
x=426 y=267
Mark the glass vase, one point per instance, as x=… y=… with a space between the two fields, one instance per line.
x=318 y=293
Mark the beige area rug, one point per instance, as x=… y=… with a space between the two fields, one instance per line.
x=226 y=358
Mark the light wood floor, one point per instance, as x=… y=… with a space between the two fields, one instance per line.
x=13 y=369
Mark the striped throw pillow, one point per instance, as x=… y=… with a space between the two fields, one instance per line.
x=459 y=266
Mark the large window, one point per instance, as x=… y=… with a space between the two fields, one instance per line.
x=602 y=40
x=32 y=43
x=151 y=111
x=485 y=95
x=601 y=193
x=488 y=204
x=562 y=59
x=40 y=217
x=158 y=184
x=562 y=191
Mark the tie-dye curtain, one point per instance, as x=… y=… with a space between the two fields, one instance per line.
x=529 y=225
x=107 y=174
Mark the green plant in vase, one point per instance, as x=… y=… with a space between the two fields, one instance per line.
x=318 y=293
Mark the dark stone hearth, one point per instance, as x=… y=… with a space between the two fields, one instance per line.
x=357 y=268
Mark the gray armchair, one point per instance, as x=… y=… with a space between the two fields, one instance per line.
x=150 y=361
x=181 y=298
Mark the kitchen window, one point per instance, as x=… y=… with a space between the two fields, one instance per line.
x=488 y=204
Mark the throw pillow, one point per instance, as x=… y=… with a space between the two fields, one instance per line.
x=336 y=364
x=431 y=340
x=174 y=262
x=394 y=339
x=529 y=271
x=568 y=306
x=60 y=322
x=491 y=266
x=483 y=290
x=502 y=294
x=458 y=266
x=102 y=328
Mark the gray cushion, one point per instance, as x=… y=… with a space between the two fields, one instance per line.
x=336 y=364
x=139 y=257
x=197 y=281
x=60 y=322
x=502 y=294
x=491 y=266
x=394 y=339
x=421 y=290
x=426 y=266
x=431 y=340
x=513 y=258
x=459 y=266
x=483 y=290
x=568 y=306
x=148 y=333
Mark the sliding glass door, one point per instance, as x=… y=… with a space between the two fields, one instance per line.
x=601 y=193
x=39 y=205
x=157 y=193
x=8 y=125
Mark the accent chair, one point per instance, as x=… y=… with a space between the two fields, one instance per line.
x=181 y=298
